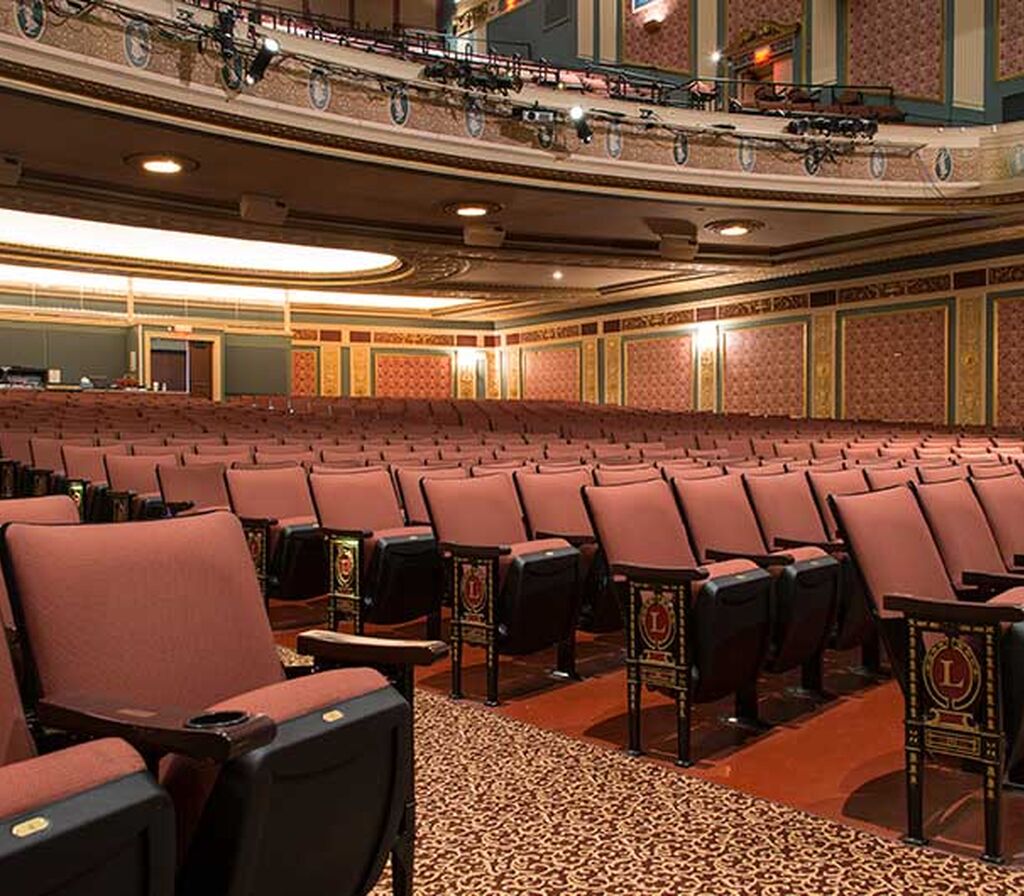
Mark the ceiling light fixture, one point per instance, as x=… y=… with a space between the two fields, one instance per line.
x=733 y=228
x=164 y=163
x=267 y=49
x=472 y=209
x=557 y=275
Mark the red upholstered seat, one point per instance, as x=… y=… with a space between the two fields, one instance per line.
x=882 y=478
x=199 y=640
x=409 y=480
x=614 y=475
x=835 y=482
x=1002 y=499
x=200 y=487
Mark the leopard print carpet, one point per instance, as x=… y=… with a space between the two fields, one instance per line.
x=506 y=809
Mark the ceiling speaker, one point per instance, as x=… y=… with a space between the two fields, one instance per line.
x=485 y=236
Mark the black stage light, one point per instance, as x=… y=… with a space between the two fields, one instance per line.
x=224 y=33
x=266 y=51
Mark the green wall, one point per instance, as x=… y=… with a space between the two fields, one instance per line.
x=76 y=351
x=257 y=365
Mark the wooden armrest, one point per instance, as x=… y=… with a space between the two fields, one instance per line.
x=659 y=575
x=993 y=581
x=762 y=560
x=577 y=541
x=952 y=611
x=359 y=650
x=830 y=547
x=475 y=552
x=164 y=730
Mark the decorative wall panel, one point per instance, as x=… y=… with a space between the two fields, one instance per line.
x=1011 y=39
x=888 y=43
x=764 y=369
x=970 y=374
x=1008 y=386
x=360 y=374
x=304 y=371
x=895 y=365
x=613 y=369
x=412 y=375
x=823 y=359
x=666 y=47
x=745 y=15
x=590 y=370
x=493 y=384
x=551 y=374
x=330 y=370
x=513 y=380
x=659 y=373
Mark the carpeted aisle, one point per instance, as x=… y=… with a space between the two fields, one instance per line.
x=506 y=809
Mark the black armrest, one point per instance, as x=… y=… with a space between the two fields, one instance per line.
x=346 y=533
x=165 y=730
x=359 y=650
x=659 y=575
x=254 y=522
x=577 y=541
x=475 y=552
x=176 y=507
x=953 y=611
x=1018 y=559
x=992 y=581
x=763 y=560
x=830 y=547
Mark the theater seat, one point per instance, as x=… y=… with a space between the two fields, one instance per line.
x=509 y=594
x=723 y=525
x=133 y=489
x=298 y=787
x=717 y=646
x=408 y=480
x=279 y=496
x=380 y=569
x=553 y=506
x=80 y=821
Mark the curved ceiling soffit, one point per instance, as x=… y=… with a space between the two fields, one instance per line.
x=456 y=162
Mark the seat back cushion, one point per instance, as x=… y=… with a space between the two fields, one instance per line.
x=785 y=507
x=274 y=493
x=719 y=515
x=363 y=500
x=553 y=501
x=482 y=511
x=960 y=529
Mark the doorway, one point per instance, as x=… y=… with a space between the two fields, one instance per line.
x=200 y=369
x=184 y=365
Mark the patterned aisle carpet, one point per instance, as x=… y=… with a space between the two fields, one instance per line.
x=506 y=809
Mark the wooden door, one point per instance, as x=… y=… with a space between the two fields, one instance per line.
x=200 y=369
x=168 y=367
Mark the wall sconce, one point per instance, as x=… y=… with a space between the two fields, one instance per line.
x=653 y=24
x=467 y=358
x=707 y=336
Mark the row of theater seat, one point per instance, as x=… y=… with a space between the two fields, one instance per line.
x=178 y=756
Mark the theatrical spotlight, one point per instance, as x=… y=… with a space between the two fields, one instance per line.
x=267 y=49
x=579 y=119
x=224 y=34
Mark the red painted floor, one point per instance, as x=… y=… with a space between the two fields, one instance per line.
x=842 y=759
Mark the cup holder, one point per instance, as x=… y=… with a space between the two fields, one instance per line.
x=223 y=719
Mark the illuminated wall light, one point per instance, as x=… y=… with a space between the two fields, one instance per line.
x=716 y=56
x=762 y=55
x=467 y=358
x=557 y=275
x=707 y=336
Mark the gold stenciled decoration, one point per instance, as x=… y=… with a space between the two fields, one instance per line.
x=590 y=370
x=330 y=370
x=493 y=384
x=512 y=371
x=707 y=378
x=613 y=370
x=970 y=405
x=360 y=363
x=823 y=361
x=466 y=381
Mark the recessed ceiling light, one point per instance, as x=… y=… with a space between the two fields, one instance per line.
x=557 y=275
x=733 y=228
x=472 y=209
x=162 y=163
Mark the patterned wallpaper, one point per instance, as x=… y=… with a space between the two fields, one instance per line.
x=659 y=373
x=1009 y=349
x=764 y=369
x=1011 y=38
x=667 y=48
x=413 y=375
x=742 y=15
x=886 y=44
x=894 y=365
x=552 y=374
x=304 y=375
